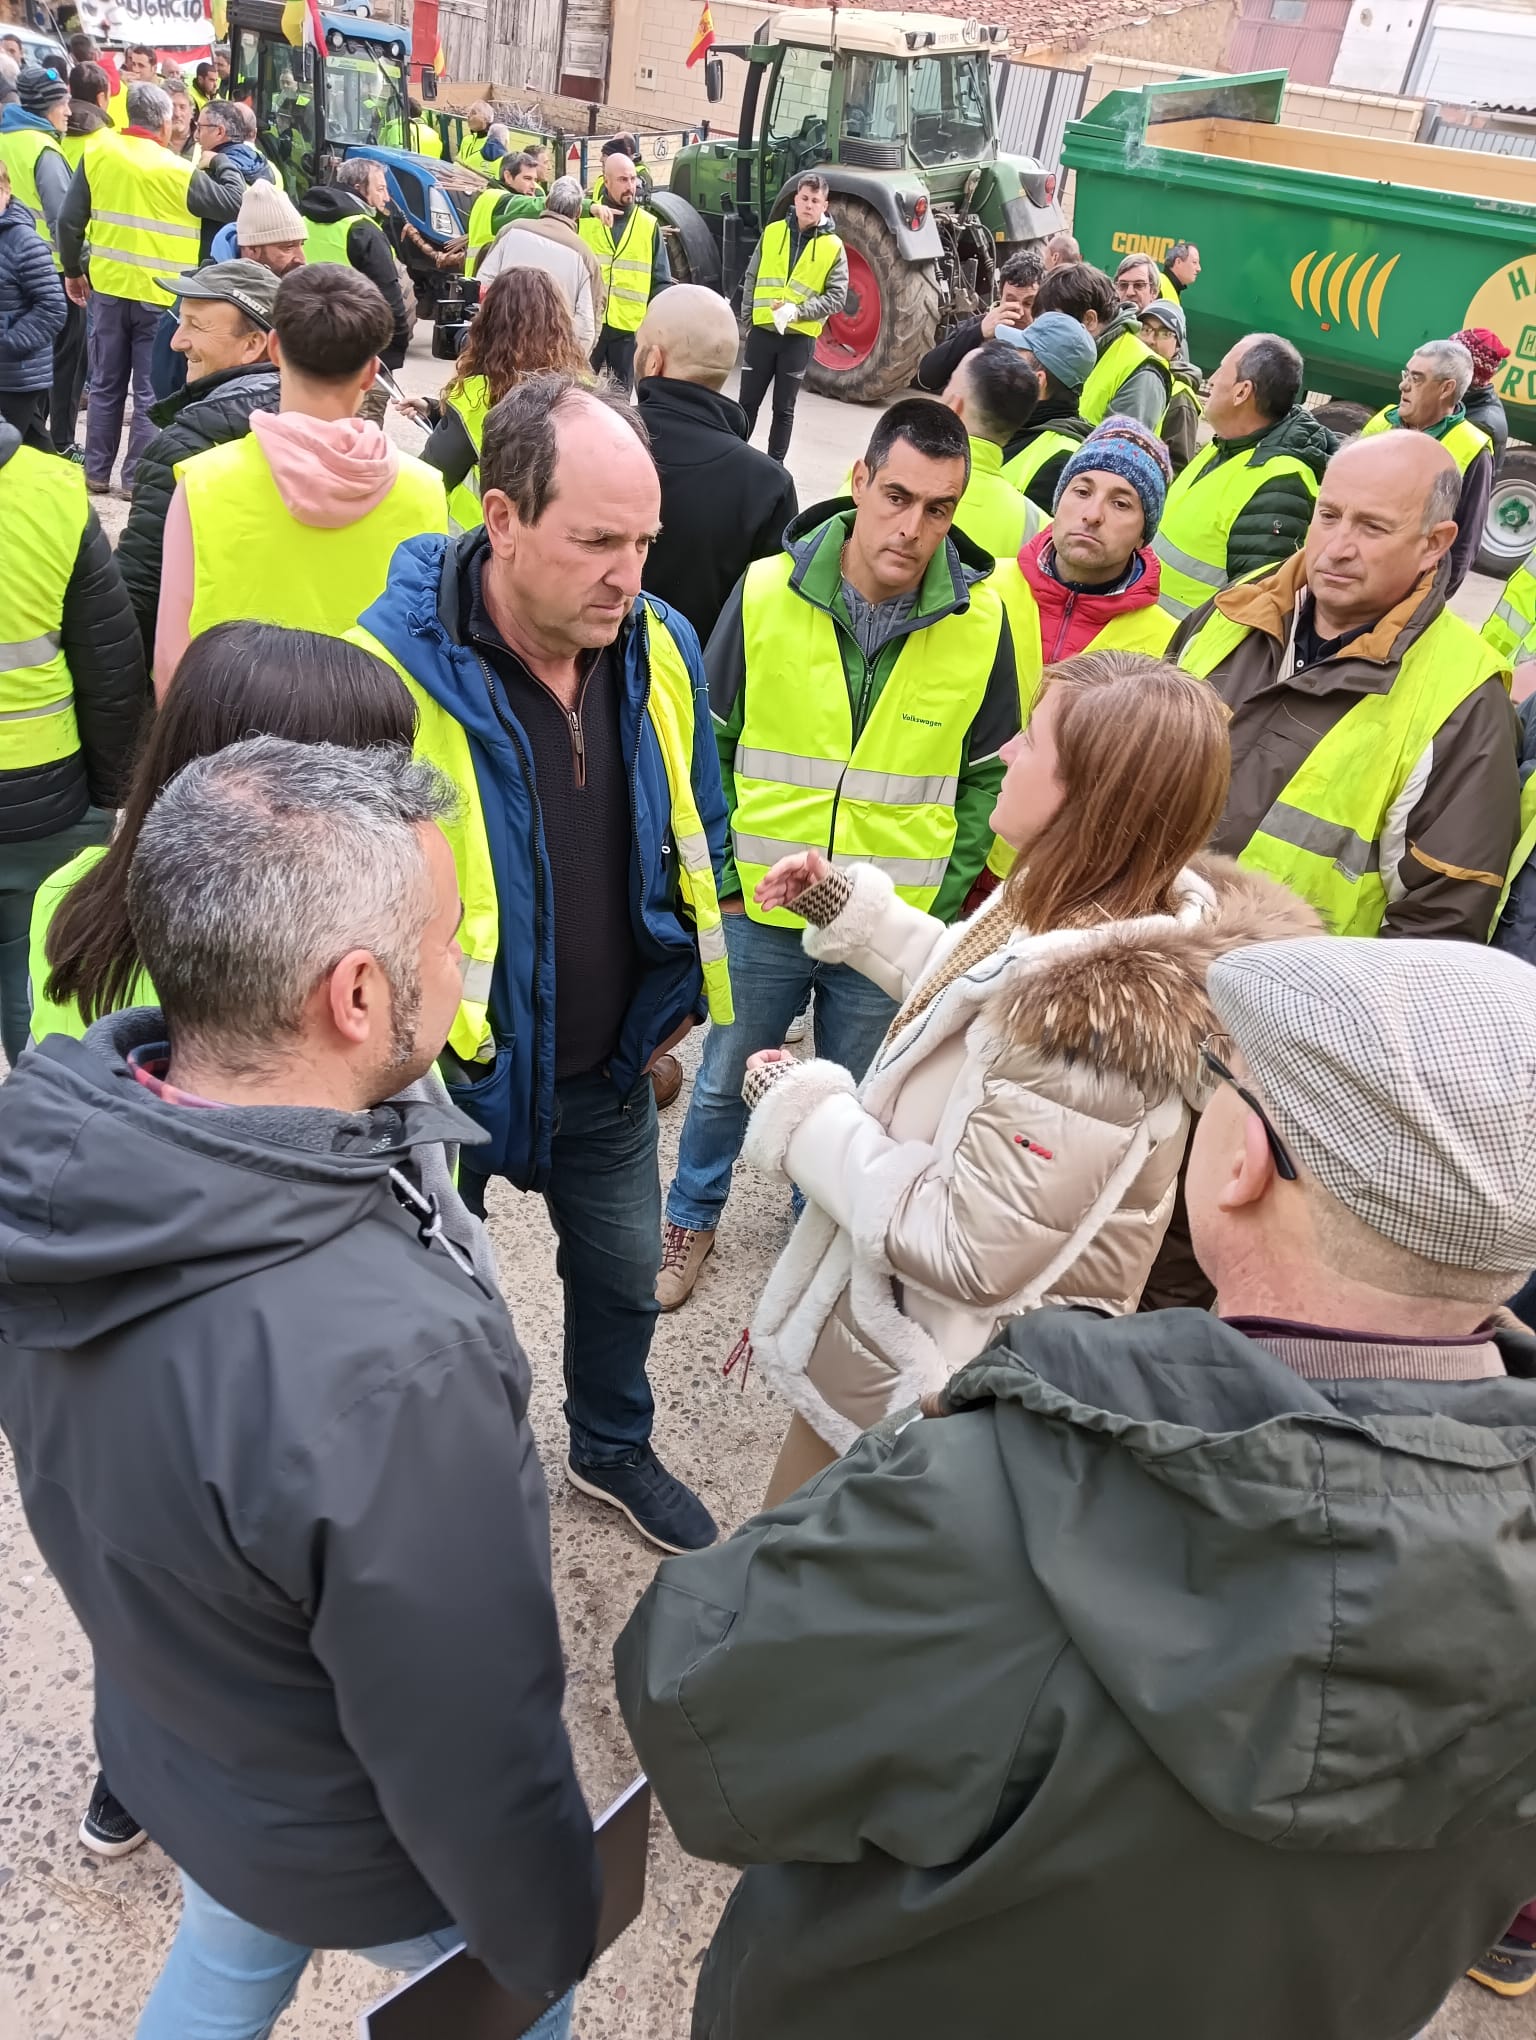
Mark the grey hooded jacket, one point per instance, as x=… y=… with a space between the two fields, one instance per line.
x=271 y=1438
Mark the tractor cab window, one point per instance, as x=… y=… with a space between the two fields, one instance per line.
x=949 y=109
x=875 y=100
x=364 y=96
x=277 y=82
x=797 y=116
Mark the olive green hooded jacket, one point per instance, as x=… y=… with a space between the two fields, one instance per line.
x=1156 y=1691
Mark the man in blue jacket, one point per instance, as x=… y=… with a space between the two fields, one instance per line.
x=572 y=716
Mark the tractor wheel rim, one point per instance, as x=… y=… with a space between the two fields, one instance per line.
x=847 y=341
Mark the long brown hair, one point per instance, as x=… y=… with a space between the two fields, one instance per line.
x=523 y=327
x=237 y=680
x=1143 y=754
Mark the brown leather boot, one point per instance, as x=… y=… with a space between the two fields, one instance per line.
x=666 y=1080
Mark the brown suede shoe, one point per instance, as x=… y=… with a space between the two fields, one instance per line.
x=683 y=1254
x=666 y=1080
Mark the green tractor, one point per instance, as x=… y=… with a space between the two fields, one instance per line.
x=896 y=112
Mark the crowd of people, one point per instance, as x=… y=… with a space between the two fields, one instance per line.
x=1107 y=773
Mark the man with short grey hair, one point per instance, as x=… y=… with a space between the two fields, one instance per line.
x=270 y=1423
x=550 y=242
x=1164 y=1652
x=1430 y=393
x=346 y=225
x=147 y=213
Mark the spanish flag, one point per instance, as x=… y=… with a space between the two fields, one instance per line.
x=703 y=37
x=440 y=58
x=302 y=26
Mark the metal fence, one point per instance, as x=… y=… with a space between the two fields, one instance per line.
x=1034 y=104
x=1453 y=134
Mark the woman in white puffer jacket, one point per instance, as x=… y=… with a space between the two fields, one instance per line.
x=1017 y=1139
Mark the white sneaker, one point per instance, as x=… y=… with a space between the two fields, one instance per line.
x=798 y=1029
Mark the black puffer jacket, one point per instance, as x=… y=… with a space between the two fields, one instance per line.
x=1273 y=522
x=208 y=412
x=106 y=664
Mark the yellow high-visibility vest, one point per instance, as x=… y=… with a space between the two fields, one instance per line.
x=1166 y=287
x=471 y=153
x=471 y=406
x=994 y=513
x=1511 y=627
x=253 y=558
x=626 y=265
x=43 y=512
x=331 y=240
x=1204 y=502
x=1029 y=459
x=47 y=1018
x=442 y=740
x=481 y=230
x=1464 y=442
x=1116 y=365
x=1334 y=834
x=775 y=279
x=19 y=151
x=802 y=782
x=1136 y=630
x=140 y=227
x=1524 y=851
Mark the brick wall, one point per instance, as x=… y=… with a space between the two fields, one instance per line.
x=647 y=69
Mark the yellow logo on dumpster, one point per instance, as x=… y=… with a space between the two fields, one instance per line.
x=1506 y=304
x=1350 y=290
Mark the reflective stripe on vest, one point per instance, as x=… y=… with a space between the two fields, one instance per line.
x=1331 y=835
x=330 y=240
x=252 y=558
x=1116 y=365
x=1464 y=442
x=140 y=226
x=1514 y=614
x=626 y=268
x=19 y=151
x=802 y=782
x=443 y=741
x=1134 y=630
x=470 y=405
x=43 y=512
x=1028 y=461
x=994 y=513
x=1204 y=502
x=775 y=279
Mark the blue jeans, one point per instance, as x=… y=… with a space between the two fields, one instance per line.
x=771 y=979
x=227 y=1980
x=604 y=1201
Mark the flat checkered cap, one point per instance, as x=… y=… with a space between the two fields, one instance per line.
x=1402 y=1075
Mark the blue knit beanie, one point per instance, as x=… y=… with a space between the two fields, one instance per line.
x=1123 y=447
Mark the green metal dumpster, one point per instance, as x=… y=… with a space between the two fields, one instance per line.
x=1355 y=247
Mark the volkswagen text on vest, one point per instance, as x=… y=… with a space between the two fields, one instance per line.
x=1197 y=521
x=1338 y=829
x=776 y=280
x=37 y=694
x=626 y=266
x=140 y=225
x=444 y=742
x=254 y=559
x=801 y=780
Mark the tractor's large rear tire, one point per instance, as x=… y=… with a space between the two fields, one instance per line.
x=870 y=351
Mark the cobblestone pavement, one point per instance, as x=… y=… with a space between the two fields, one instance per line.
x=80 y=1941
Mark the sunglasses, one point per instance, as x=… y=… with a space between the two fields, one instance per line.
x=1285 y=1168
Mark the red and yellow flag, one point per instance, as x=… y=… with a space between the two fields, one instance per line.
x=440 y=58
x=302 y=24
x=703 y=37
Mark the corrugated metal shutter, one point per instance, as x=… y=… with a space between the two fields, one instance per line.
x=1300 y=36
x=1034 y=104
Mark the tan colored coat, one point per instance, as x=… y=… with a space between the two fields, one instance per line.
x=1018 y=1143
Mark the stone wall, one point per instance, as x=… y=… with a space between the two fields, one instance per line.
x=1193 y=37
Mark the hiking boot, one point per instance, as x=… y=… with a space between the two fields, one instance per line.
x=683 y=1254
x=666 y=1513
x=666 y=1080
x=1509 y=1968
x=109 y=1829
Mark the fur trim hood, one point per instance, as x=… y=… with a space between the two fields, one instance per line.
x=1135 y=1000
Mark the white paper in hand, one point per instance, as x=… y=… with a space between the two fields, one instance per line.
x=782 y=314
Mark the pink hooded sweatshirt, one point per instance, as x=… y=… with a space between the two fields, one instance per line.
x=329 y=472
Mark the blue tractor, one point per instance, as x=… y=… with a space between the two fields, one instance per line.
x=315 y=107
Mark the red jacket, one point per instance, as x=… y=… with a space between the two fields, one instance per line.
x=1069 y=620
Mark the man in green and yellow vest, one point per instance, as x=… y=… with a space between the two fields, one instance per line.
x=476 y=150
x=993 y=393
x=346 y=225
x=796 y=280
x=512 y=194
x=1373 y=744
x=295 y=522
x=141 y=209
x=570 y=713
x=1127 y=377
x=627 y=241
x=1430 y=393
x=862 y=683
x=31 y=148
x=72 y=694
x=1244 y=502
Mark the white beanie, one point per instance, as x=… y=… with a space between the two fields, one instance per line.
x=267 y=215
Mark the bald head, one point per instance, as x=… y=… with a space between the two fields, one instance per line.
x=688 y=334
x=1385 y=518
